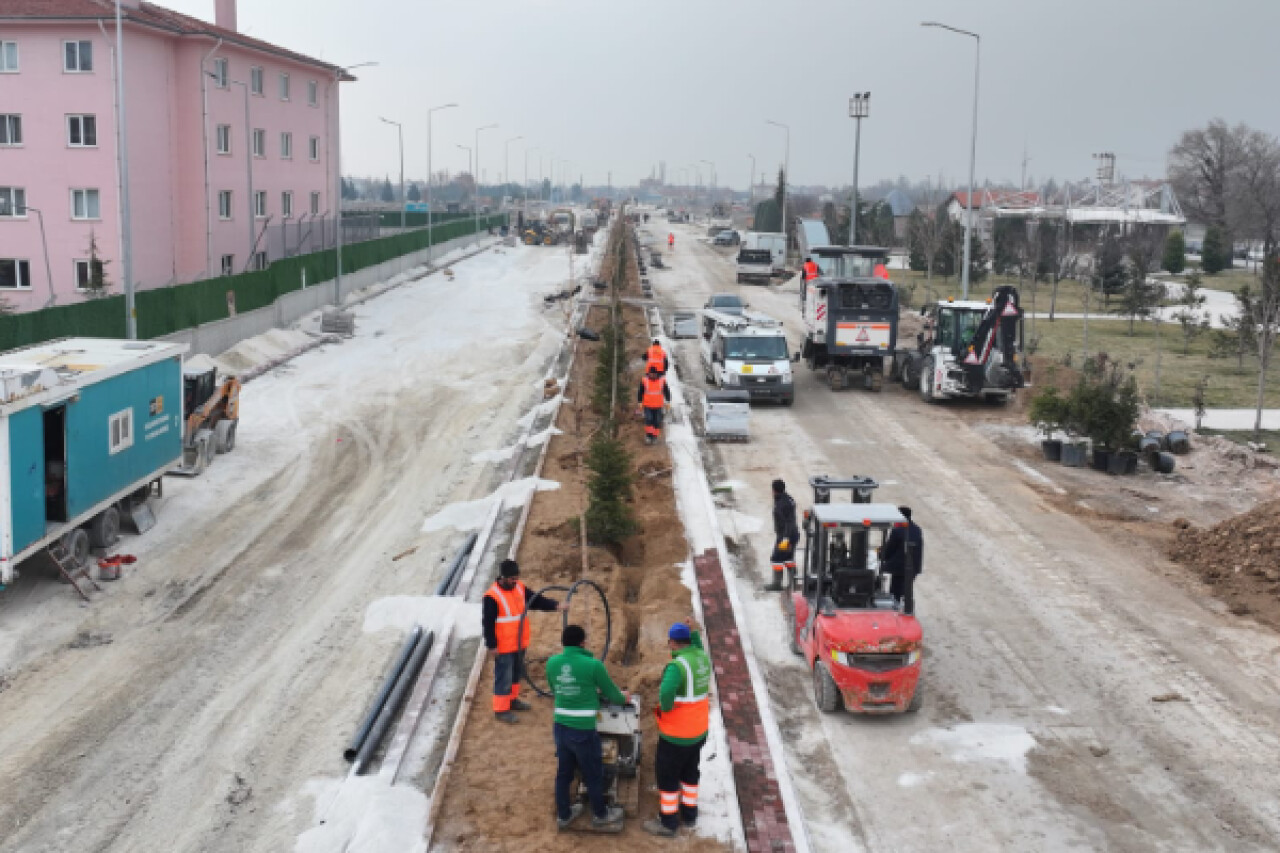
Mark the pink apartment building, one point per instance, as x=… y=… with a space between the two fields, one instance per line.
x=191 y=157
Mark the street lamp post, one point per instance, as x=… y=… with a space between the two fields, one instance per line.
x=973 y=147
x=48 y=270
x=400 y=132
x=126 y=216
x=476 y=175
x=751 y=184
x=786 y=184
x=337 y=180
x=431 y=235
x=859 y=108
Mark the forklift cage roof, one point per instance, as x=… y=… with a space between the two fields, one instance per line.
x=858 y=515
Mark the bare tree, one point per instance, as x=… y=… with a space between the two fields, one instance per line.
x=1202 y=168
x=1256 y=211
x=1266 y=322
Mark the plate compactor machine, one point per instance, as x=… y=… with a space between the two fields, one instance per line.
x=862 y=649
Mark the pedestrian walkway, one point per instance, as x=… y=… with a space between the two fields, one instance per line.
x=1229 y=419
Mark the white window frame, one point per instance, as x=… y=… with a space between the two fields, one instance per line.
x=79 y=69
x=284 y=85
x=228 y=264
x=21 y=273
x=222 y=135
x=257 y=80
x=226 y=201
x=315 y=204
x=85 y=192
x=76 y=265
x=79 y=119
x=313 y=93
x=259 y=142
x=286 y=145
x=260 y=204
x=14 y=196
x=222 y=72
x=11 y=122
x=120 y=438
x=7 y=49
x=259 y=260
x=314 y=146
x=286 y=204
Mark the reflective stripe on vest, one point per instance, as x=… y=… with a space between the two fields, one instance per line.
x=690 y=716
x=575 y=712
x=653 y=397
x=507 y=625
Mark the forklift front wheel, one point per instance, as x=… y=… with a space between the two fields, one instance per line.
x=825 y=692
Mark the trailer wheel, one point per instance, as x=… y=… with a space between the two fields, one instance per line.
x=825 y=692
x=76 y=544
x=104 y=530
x=225 y=436
x=926 y=380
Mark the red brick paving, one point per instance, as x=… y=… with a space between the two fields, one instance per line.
x=764 y=819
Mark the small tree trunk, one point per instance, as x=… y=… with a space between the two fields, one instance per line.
x=1053 y=297
x=1262 y=390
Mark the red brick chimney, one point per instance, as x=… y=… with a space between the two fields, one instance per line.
x=225 y=14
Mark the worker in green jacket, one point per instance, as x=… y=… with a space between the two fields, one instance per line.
x=684 y=713
x=578 y=681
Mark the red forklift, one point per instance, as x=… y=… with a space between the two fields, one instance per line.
x=861 y=647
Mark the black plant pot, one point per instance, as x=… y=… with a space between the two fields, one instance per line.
x=1075 y=455
x=1052 y=449
x=1101 y=459
x=1123 y=462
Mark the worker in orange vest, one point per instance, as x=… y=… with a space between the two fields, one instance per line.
x=684 y=711
x=653 y=396
x=671 y=240
x=504 y=603
x=810 y=270
x=656 y=356
x=881 y=271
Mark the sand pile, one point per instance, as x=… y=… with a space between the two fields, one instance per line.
x=1239 y=557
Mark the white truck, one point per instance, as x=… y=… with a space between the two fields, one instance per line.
x=969 y=349
x=754 y=265
x=747 y=352
x=776 y=244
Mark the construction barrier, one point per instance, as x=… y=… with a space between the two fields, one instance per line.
x=166 y=310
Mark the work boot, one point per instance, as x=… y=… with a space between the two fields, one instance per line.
x=520 y=705
x=506 y=717
x=575 y=811
x=655 y=826
x=611 y=822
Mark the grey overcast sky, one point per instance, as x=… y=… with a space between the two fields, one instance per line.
x=616 y=86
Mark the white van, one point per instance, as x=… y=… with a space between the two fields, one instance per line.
x=747 y=353
x=775 y=243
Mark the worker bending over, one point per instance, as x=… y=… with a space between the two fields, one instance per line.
x=786 y=534
x=893 y=559
x=683 y=713
x=504 y=603
x=656 y=357
x=578 y=681
x=653 y=396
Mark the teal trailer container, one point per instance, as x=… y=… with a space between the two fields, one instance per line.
x=87 y=426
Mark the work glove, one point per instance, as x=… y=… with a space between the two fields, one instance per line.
x=784 y=545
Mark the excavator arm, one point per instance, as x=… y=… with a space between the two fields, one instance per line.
x=992 y=358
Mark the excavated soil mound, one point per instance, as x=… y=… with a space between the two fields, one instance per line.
x=1239 y=558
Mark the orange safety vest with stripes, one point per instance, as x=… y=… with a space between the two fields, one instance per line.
x=810 y=271
x=511 y=607
x=656 y=359
x=653 y=397
x=689 y=718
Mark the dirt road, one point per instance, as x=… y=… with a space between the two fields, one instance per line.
x=1076 y=699
x=189 y=705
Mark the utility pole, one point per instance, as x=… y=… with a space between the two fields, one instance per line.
x=751 y=183
x=859 y=108
x=476 y=176
x=431 y=234
x=400 y=132
x=126 y=215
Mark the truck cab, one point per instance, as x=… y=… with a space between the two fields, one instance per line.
x=747 y=352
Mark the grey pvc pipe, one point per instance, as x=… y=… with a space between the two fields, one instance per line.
x=392 y=706
x=393 y=675
x=450 y=579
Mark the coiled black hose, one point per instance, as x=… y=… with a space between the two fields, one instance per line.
x=564 y=622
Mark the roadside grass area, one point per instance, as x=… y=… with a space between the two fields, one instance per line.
x=1228 y=387
x=1070 y=293
x=1229 y=280
x=1269 y=437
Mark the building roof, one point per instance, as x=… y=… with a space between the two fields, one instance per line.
x=998 y=198
x=150 y=15
x=899 y=202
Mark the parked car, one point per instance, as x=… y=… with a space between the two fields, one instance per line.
x=726 y=303
x=727 y=238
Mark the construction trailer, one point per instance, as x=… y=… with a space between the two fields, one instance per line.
x=88 y=427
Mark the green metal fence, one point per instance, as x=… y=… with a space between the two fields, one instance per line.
x=171 y=309
x=417 y=218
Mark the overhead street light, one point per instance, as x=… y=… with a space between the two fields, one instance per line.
x=337 y=174
x=431 y=177
x=400 y=131
x=859 y=108
x=973 y=146
x=751 y=184
x=476 y=176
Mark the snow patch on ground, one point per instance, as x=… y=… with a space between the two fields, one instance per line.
x=547 y=407
x=913 y=780
x=1033 y=473
x=502 y=454
x=402 y=612
x=739 y=524
x=363 y=814
x=260 y=349
x=470 y=515
x=982 y=742
x=840 y=441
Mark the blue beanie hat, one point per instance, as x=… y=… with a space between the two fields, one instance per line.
x=680 y=632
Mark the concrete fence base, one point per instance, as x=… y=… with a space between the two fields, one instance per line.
x=221 y=335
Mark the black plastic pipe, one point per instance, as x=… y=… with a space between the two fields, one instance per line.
x=564 y=621
x=393 y=675
x=450 y=579
x=392 y=706
x=520 y=633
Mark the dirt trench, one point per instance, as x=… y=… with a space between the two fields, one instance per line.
x=500 y=794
